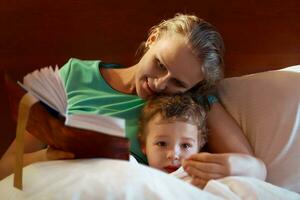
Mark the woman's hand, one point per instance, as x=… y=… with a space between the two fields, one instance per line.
x=51 y=153
x=203 y=167
x=7 y=161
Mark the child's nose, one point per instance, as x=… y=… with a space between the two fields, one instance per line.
x=173 y=154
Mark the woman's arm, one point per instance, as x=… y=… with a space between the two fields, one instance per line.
x=231 y=154
x=206 y=166
x=225 y=136
x=34 y=151
x=31 y=145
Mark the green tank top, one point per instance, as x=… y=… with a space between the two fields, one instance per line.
x=88 y=92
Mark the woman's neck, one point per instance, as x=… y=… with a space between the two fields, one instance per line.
x=121 y=79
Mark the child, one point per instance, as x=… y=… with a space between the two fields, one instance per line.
x=173 y=131
x=172 y=128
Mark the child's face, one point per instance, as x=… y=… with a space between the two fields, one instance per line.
x=168 y=143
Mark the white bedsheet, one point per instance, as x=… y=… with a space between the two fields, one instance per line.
x=115 y=179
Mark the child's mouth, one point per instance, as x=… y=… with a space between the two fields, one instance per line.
x=171 y=169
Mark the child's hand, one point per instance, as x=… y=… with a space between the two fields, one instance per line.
x=203 y=167
x=54 y=154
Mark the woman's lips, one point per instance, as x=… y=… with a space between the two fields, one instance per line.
x=171 y=169
x=148 y=89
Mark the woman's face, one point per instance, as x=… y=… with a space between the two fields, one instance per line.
x=169 y=67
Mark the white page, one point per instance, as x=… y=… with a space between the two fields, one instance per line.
x=45 y=86
x=33 y=86
x=61 y=88
x=50 y=87
x=54 y=88
x=99 y=123
x=40 y=98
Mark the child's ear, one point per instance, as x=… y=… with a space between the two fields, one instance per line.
x=143 y=149
x=142 y=144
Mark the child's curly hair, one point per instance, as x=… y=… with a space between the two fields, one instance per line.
x=180 y=107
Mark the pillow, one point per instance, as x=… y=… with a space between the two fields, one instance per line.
x=267 y=107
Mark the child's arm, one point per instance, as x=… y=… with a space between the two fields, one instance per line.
x=34 y=151
x=206 y=166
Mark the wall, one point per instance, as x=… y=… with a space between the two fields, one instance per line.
x=259 y=35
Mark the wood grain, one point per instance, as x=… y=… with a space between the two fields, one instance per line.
x=258 y=35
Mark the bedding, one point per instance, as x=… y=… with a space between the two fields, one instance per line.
x=267 y=107
x=116 y=179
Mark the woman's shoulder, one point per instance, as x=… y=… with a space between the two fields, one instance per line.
x=86 y=65
x=75 y=62
x=76 y=67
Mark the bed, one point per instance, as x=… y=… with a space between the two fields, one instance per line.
x=259 y=36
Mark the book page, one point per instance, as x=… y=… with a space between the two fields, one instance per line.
x=53 y=84
x=46 y=85
x=39 y=97
x=50 y=86
x=61 y=87
x=99 y=123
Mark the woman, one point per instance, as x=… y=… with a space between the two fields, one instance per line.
x=181 y=54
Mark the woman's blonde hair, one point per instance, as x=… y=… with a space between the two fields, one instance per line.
x=207 y=44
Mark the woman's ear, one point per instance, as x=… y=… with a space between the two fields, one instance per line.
x=152 y=38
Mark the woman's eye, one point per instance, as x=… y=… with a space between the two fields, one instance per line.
x=161 y=66
x=179 y=84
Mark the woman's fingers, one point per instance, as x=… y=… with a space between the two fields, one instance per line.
x=203 y=175
x=54 y=154
x=206 y=167
x=198 y=182
x=210 y=158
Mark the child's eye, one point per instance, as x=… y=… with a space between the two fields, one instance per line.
x=186 y=146
x=161 y=144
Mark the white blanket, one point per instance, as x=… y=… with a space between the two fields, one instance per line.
x=115 y=179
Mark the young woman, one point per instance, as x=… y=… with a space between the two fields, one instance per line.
x=181 y=54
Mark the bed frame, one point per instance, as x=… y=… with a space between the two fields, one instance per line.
x=258 y=35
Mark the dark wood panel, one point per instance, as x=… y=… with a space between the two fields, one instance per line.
x=259 y=35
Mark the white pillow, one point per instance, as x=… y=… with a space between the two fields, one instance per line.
x=267 y=107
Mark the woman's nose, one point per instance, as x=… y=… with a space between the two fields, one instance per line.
x=161 y=83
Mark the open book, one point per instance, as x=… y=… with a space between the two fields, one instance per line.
x=86 y=135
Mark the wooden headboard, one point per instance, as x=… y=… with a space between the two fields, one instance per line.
x=258 y=35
